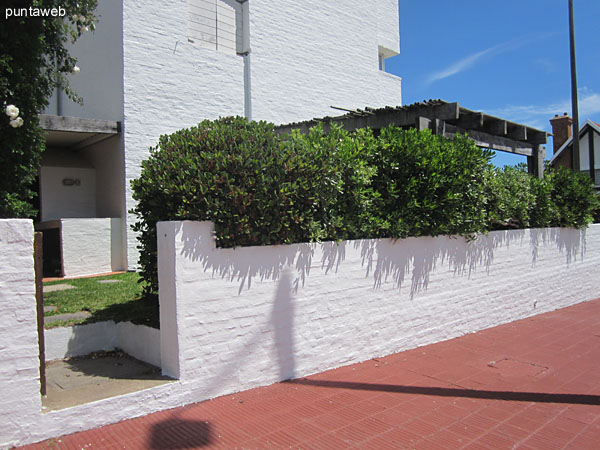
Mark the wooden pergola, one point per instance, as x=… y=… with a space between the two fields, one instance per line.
x=445 y=119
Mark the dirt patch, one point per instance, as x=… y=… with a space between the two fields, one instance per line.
x=76 y=381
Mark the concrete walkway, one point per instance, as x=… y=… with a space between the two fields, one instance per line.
x=531 y=384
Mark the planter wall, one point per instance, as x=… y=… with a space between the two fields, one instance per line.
x=139 y=341
x=251 y=316
x=232 y=319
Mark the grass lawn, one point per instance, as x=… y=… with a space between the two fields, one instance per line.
x=118 y=301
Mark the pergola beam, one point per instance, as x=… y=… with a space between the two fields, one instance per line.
x=490 y=141
x=445 y=119
x=78 y=124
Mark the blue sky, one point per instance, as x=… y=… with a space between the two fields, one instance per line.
x=508 y=58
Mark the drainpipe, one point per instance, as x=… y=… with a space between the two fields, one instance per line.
x=247 y=86
x=245 y=53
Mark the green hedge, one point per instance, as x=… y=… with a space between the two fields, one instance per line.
x=260 y=189
x=515 y=199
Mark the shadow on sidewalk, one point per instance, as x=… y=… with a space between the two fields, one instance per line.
x=177 y=433
x=581 y=399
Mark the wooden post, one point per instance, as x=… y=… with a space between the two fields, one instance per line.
x=39 y=298
x=592 y=156
x=535 y=162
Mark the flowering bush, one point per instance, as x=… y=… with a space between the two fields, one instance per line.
x=34 y=61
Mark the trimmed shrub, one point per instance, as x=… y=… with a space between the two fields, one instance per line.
x=516 y=199
x=427 y=184
x=511 y=197
x=262 y=189
x=572 y=194
x=258 y=189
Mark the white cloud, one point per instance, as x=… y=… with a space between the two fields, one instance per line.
x=458 y=66
x=469 y=61
x=537 y=116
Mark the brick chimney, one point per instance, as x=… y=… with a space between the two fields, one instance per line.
x=562 y=130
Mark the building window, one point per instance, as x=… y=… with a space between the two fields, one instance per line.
x=383 y=53
x=217 y=24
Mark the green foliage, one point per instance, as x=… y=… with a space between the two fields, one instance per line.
x=572 y=194
x=563 y=198
x=33 y=62
x=427 y=185
x=510 y=197
x=261 y=189
x=258 y=189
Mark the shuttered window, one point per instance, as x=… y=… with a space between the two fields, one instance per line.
x=216 y=24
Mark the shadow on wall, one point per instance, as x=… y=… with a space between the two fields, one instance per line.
x=569 y=241
x=383 y=259
x=281 y=322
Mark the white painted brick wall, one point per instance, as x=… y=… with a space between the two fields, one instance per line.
x=139 y=341
x=234 y=319
x=310 y=55
x=87 y=245
x=169 y=84
x=19 y=369
x=306 y=56
x=255 y=315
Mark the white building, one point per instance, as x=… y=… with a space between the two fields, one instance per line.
x=152 y=67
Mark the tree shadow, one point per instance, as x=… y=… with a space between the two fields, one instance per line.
x=140 y=311
x=399 y=261
x=176 y=433
x=569 y=241
x=537 y=397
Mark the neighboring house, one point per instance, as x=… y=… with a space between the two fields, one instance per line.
x=153 y=67
x=588 y=159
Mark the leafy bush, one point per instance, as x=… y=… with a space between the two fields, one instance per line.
x=261 y=189
x=516 y=199
x=427 y=184
x=34 y=60
x=258 y=189
x=511 y=197
x=572 y=194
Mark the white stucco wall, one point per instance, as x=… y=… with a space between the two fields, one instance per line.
x=310 y=55
x=255 y=315
x=58 y=200
x=139 y=341
x=305 y=57
x=19 y=370
x=78 y=340
x=99 y=55
x=251 y=316
x=88 y=246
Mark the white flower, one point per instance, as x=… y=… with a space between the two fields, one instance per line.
x=75 y=70
x=84 y=29
x=12 y=111
x=16 y=123
x=81 y=19
x=75 y=17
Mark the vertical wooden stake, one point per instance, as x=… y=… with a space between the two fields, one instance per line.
x=39 y=298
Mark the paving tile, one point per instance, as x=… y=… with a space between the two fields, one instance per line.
x=442 y=396
x=394 y=416
x=470 y=432
x=445 y=440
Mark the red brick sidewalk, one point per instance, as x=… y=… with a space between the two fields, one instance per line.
x=531 y=384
